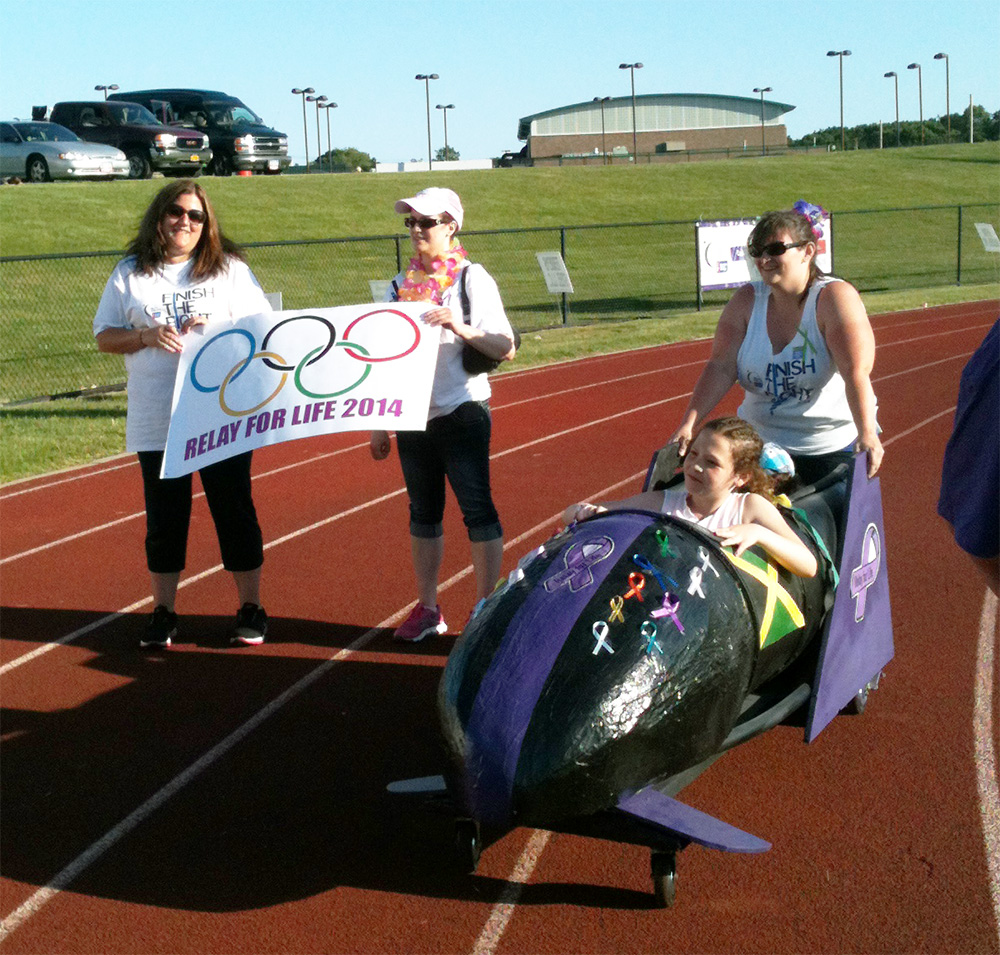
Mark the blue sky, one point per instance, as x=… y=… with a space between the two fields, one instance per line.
x=499 y=60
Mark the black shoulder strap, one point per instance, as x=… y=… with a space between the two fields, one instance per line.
x=463 y=293
x=395 y=290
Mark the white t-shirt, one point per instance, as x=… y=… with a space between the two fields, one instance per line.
x=167 y=297
x=727 y=514
x=796 y=398
x=453 y=385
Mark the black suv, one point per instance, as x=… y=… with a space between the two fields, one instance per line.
x=148 y=143
x=240 y=141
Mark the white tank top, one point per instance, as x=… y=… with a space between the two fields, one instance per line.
x=795 y=398
x=728 y=513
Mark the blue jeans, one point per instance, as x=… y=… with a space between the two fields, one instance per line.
x=455 y=446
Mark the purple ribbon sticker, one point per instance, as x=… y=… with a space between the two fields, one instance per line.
x=865 y=574
x=671 y=605
x=579 y=558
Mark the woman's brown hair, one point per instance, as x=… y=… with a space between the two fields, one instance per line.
x=213 y=251
x=745 y=445
x=795 y=224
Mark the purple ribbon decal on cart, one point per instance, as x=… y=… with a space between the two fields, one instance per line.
x=671 y=605
x=601 y=635
x=864 y=575
x=579 y=559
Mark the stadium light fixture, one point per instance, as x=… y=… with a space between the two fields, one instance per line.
x=427 y=77
x=327 y=107
x=632 y=67
x=841 y=54
x=947 y=89
x=920 y=93
x=444 y=113
x=305 y=124
x=319 y=142
x=895 y=77
x=762 y=90
x=604 y=149
x=105 y=89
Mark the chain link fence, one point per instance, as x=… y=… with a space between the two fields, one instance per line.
x=619 y=272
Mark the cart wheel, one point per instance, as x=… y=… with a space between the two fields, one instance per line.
x=664 y=870
x=856 y=706
x=468 y=844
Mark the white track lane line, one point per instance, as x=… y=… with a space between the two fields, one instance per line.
x=984 y=733
x=96 y=850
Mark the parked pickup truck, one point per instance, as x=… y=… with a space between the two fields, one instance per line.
x=149 y=144
x=240 y=140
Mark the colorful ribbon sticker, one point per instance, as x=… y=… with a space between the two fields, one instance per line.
x=579 y=558
x=694 y=587
x=706 y=561
x=665 y=549
x=865 y=574
x=671 y=605
x=645 y=564
x=648 y=630
x=635 y=583
x=601 y=635
x=616 y=610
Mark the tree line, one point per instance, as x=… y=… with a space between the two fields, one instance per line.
x=933 y=131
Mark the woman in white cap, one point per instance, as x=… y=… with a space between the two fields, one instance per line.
x=464 y=302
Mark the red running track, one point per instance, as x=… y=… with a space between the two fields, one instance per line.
x=212 y=800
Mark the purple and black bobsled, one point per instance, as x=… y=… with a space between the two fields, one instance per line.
x=630 y=651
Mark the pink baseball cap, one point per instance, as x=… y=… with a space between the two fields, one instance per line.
x=433 y=201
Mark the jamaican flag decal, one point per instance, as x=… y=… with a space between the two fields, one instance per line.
x=781 y=614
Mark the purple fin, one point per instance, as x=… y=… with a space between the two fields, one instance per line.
x=653 y=807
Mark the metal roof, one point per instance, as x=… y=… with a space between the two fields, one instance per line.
x=654 y=112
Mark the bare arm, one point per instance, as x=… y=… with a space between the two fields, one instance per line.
x=844 y=324
x=125 y=341
x=646 y=501
x=765 y=526
x=719 y=374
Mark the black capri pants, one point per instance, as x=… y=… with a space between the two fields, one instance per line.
x=168 y=514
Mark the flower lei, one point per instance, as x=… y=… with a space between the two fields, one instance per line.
x=813 y=214
x=423 y=286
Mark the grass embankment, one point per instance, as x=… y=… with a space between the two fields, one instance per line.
x=74 y=217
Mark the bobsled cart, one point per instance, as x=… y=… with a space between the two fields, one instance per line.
x=630 y=651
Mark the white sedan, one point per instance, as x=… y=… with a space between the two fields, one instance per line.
x=39 y=152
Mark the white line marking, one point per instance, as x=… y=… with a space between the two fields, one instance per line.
x=501 y=914
x=983 y=731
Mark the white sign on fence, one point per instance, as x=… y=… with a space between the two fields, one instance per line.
x=988 y=235
x=285 y=375
x=554 y=272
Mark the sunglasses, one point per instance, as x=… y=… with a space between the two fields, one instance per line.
x=176 y=211
x=773 y=249
x=411 y=222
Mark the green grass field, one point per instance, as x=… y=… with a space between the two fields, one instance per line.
x=87 y=217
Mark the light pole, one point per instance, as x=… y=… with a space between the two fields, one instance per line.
x=947 y=89
x=305 y=125
x=319 y=142
x=427 y=77
x=632 y=67
x=444 y=113
x=896 y=80
x=762 y=91
x=604 y=149
x=329 y=149
x=920 y=91
x=105 y=89
x=841 y=54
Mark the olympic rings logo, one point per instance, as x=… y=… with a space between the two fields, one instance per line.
x=276 y=362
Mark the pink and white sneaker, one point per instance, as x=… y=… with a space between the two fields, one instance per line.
x=421 y=622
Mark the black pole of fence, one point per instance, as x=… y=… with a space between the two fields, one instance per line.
x=697 y=269
x=399 y=256
x=958 y=264
x=562 y=252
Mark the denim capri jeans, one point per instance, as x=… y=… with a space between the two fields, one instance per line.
x=455 y=446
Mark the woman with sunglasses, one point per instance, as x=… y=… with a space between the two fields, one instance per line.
x=800 y=345
x=464 y=303
x=181 y=272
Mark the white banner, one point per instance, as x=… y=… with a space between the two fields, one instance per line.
x=722 y=253
x=285 y=375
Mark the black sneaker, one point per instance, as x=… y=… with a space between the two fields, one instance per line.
x=160 y=630
x=251 y=626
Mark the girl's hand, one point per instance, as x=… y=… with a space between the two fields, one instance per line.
x=577 y=512
x=380 y=444
x=740 y=536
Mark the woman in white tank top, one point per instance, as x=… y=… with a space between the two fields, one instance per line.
x=801 y=346
x=722 y=484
